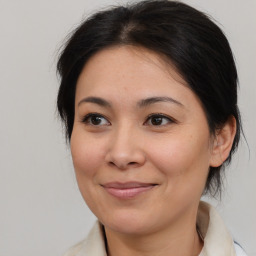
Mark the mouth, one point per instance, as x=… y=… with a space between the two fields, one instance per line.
x=127 y=190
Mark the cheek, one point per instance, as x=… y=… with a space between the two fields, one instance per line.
x=182 y=157
x=87 y=160
x=87 y=155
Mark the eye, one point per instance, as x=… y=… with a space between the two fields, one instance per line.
x=158 y=120
x=95 y=119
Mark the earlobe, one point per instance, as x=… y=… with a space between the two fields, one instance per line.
x=223 y=142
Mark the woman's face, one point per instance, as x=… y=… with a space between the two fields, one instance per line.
x=140 y=143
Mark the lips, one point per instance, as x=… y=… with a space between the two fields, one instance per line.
x=127 y=190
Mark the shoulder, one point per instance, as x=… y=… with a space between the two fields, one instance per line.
x=239 y=250
x=74 y=250
x=217 y=238
x=93 y=245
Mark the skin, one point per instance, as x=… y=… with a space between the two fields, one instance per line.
x=125 y=144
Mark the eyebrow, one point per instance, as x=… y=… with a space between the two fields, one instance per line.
x=152 y=100
x=95 y=100
x=142 y=103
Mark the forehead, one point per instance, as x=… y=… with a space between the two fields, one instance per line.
x=128 y=68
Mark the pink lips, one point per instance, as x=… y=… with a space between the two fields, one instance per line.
x=127 y=190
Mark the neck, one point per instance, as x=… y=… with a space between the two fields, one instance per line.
x=178 y=240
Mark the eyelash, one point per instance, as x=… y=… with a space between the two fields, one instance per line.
x=87 y=119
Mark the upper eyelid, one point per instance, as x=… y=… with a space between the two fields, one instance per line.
x=161 y=115
x=85 y=117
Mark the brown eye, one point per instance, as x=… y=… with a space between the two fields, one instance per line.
x=95 y=119
x=158 y=120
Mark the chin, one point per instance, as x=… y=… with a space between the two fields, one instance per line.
x=126 y=222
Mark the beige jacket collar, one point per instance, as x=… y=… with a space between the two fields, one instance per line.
x=217 y=240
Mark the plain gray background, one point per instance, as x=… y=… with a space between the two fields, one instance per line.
x=42 y=212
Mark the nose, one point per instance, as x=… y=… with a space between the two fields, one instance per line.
x=126 y=149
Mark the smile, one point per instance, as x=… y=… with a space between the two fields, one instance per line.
x=127 y=190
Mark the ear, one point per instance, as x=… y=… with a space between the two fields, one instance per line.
x=223 y=142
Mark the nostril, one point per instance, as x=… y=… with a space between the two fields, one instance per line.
x=122 y=166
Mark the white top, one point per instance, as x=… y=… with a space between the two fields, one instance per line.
x=217 y=240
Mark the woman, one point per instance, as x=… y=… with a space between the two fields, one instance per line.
x=148 y=97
